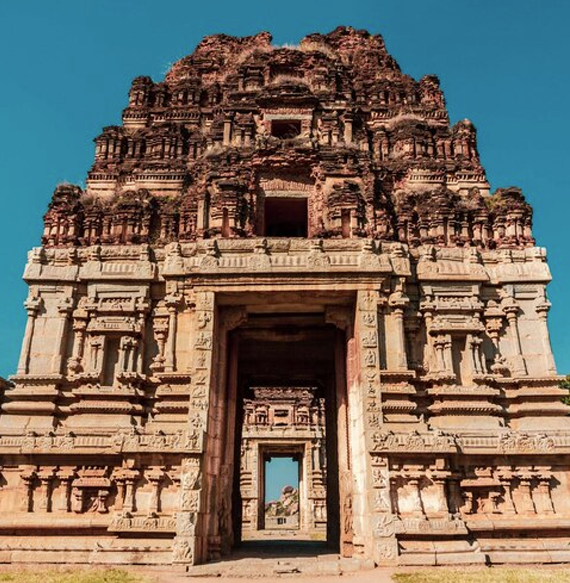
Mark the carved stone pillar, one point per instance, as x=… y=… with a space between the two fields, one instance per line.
x=172 y=303
x=120 y=498
x=440 y=484
x=160 y=323
x=97 y=347
x=155 y=477
x=526 y=503
x=398 y=303
x=447 y=354
x=541 y=495
x=129 y=504
x=227 y=139
x=75 y=362
x=542 y=308
x=478 y=365
x=494 y=317
x=511 y=309
x=46 y=476
x=28 y=476
x=33 y=305
x=64 y=308
x=66 y=476
x=348 y=132
x=184 y=549
x=443 y=356
x=413 y=486
x=431 y=359
x=505 y=477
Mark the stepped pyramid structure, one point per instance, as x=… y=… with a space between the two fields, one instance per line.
x=286 y=251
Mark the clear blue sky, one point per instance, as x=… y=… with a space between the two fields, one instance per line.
x=280 y=472
x=67 y=67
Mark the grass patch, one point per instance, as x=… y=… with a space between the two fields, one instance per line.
x=69 y=575
x=492 y=575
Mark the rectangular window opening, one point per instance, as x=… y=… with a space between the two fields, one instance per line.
x=285 y=128
x=286 y=217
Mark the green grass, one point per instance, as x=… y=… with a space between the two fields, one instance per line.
x=492 y=575
x=70 y=575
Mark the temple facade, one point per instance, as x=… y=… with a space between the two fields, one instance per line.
x=286 y=250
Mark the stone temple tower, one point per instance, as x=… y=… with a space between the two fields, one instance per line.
x=286 y=251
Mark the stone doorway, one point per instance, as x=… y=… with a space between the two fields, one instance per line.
x=286 y=382
x=281 y=422
x=282 y=494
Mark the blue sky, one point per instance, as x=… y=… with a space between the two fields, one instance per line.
x=280 y=472
x=67 y=67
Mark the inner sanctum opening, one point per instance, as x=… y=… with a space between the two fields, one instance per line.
x=289 y=379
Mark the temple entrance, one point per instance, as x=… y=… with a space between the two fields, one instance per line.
x=287 y=381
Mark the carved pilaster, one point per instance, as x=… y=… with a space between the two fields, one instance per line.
x=172 y=303
x=511 y=309
x=184 y=549
x=155 y=476
x=64 y=308
x=28 y=476
x=160 y=324
x=398 y=303
x=33 y=305
x=542 y=307
x=65 y=476
x=494 y=318
x=75 y=362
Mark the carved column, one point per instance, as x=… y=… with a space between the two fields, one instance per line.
x=66 y=476
x=526 y=503
x=440 y=483
x=191 y=519
x=28 y=476
x=227 y=138
x=184 y=545
x=155 y=477
x=46 y=477
x=33 y=305
x=75 y=362
x=96 y=352
x=494 y=317
x=172 y=302
x=511 y=309
x=431 y=359
x=129 y=503
x=505 y=477
x=372 y=505
x=413 y=484
x=398 y=303
x=160 y=321
x=474 y=344
x=541 y=495
x=542 y=308
x=64 y=308
x=443 y=356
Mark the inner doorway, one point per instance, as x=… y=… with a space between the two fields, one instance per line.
x=281 y=493
x=289 y=378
